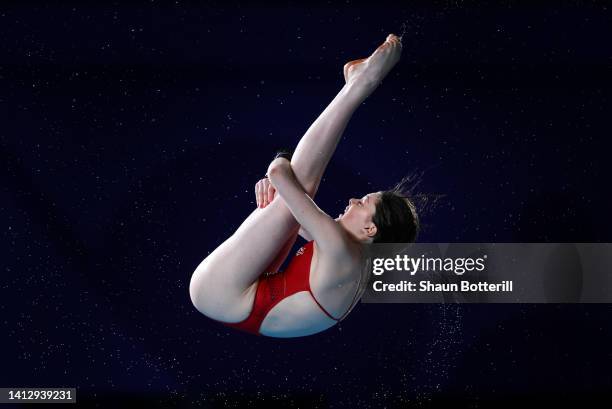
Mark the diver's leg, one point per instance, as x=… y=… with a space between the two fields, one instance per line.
x=318 y=144
x=224 y=284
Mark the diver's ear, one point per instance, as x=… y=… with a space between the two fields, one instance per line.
x=370 y=230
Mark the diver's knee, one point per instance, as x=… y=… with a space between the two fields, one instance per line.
x=218 y=301
x=197 y=288
x=194 y=289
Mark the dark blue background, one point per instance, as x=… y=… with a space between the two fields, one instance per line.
x=132 y=135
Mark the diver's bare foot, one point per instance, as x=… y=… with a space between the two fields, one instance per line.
x=370 y=71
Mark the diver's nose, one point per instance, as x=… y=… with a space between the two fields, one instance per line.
x=352 y=201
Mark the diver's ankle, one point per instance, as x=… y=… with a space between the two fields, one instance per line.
x=360 y=89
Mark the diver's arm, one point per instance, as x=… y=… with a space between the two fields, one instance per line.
x=265 y=193
x=323 y=229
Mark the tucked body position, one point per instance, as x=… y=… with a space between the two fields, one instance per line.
x=239 y=283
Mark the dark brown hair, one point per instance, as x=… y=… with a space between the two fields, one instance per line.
x=396 y=217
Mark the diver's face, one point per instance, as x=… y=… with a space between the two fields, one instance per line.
x=358 y=214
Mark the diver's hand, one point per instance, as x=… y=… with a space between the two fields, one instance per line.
x=264 y=192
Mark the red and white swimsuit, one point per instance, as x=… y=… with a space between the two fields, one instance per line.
x=275 y=287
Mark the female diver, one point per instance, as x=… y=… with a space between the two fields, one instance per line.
x=239 y=283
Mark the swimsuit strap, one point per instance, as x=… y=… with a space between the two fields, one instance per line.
x=351 y=306
x=320 y=306
x=361 y=287
x=360 y=290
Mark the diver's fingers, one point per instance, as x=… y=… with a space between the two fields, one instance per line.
x=266 y=192
x=271 y=192
x=263 y=194
x=258 y=193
